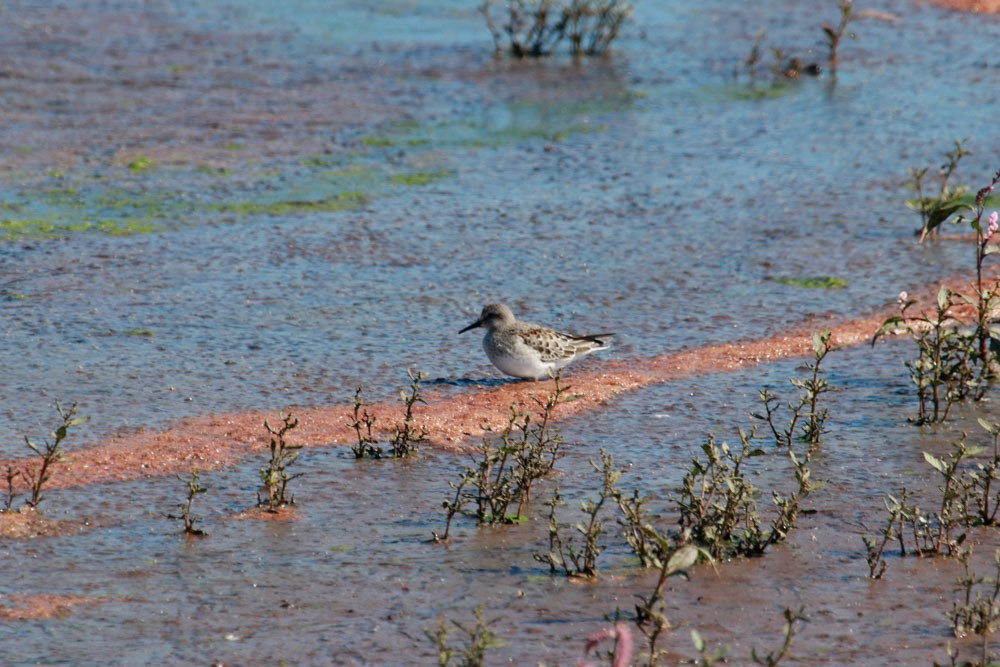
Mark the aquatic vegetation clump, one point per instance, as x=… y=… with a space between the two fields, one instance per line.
x=935 y=210
x=506 y=466
x=479 y=639
x=808 y=420
x=786 y=66
x=956 y=356
x=275 y=476
x=48 y=453
x=407 y=436
x=834 y=35
x=563 y=555
x=534 y=28
x=362 y=422
x=979 y=615
x=194 y=489
x=970 y=496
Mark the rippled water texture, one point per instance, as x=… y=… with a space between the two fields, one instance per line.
x=212 y=212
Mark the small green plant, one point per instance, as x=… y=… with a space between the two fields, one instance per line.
x=978 y=612
x=900 y=513
x=10 y=476
x=835 y=35
x=968 y=498
x=650 y=610
x=935 y=210
x=952 y=363
x=718 y=502
x=563 y=554
x=945 y=370
x=534 y=28
x=480 y=639
x=793 y=625
x=407 y=436
x=48 y=453
x=811 y=389
x=362 y=422
x=194 y=489
x=275 y=476
x=506 y=465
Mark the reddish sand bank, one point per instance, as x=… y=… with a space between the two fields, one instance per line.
x=16 y=607
x=982 y=6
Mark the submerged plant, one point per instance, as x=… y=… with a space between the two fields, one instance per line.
x=48 y=452
x=563 y=554
x=362 y=422
x=11 y=475
x=945 y=370
x=275 y=475
x=479 y=639
x=934 y=210
x=807 y=408
x=718 y=502
x=835 y=34
x=953 y=362
x=407 y=436
x=496 y=488
x=194 y=489
x=533 y=28
x=978 y=612
x=969 y=497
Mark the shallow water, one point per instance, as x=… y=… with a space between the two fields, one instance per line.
x=262 y=206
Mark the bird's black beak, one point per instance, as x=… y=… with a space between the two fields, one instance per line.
x=475 y=324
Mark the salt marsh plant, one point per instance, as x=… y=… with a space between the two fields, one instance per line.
x=194 y=489
x=362 y=422
x=496 y=488
x=275 y=476
x=10 y=477
x=934 y=210
x=48 y=452
x=563 y=553
x=969 y=497
x=954 y=361
x=807 y=419
x=718 y=502
x=945 y=370
x=534 y=28
x=407 y=436
x=978 y=612
x=479 y=639
x=834 y=35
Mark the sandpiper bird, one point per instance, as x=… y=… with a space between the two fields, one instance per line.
x=529 y=351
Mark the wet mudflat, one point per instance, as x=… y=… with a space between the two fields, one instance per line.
x=233 y=210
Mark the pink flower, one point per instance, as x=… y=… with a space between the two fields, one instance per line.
x=623 y=644
x=992 y=229
x=982 y=193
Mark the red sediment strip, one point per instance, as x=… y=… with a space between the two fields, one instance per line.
x=978 y=6
x=216 y=441
x=17 y=607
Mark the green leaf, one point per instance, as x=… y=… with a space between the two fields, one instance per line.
x=682 y=559
x=935 y=462
x=944 y=296
x=940 y=213
x=698 y=641
x=990 y=427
